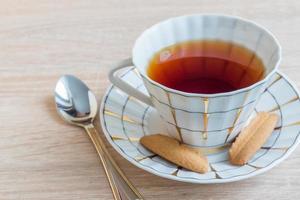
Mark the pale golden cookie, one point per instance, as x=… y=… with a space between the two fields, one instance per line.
x=252 y=138
x=170 y=149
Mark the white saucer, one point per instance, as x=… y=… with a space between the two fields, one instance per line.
x=124 y=120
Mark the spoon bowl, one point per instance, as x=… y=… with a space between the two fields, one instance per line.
x=77 y=105
x=74 y=101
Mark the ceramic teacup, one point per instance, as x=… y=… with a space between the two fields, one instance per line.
x=201 y=120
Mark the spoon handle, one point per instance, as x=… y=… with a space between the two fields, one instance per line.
x=121 y=187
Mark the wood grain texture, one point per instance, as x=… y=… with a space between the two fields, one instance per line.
x=41 y=157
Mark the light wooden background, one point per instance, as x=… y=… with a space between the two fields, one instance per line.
x=41 y=157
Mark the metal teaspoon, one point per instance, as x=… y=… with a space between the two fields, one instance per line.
x=77 y=105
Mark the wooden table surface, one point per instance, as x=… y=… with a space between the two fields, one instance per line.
x=41 y=157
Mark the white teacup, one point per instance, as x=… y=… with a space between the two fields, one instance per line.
x=201 y=120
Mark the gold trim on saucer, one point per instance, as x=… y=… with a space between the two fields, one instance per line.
x=136 y=100
x=253 y=166
x=136 y=72
x=282 y=105
x=211 y=150
x=176 y=172
x=132 y=139
x=124 y=117
x=215 y=171
x=275 y=148
x=140 y=158
x=288 y=125
x=277 y=79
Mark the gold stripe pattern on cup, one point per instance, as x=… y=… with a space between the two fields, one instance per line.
x=174 y=117
x=205 y=118
x=237 y=116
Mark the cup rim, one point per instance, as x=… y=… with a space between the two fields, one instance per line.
x=245 y=89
